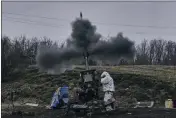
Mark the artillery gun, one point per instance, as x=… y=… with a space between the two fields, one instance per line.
x=90 y=86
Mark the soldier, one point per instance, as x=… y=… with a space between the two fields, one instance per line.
x=108 y=89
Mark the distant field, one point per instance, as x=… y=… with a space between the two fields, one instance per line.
x=167 y=73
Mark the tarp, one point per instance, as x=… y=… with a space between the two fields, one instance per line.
x=60 y=94
x=64 y=94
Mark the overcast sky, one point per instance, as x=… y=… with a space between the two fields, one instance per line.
x=137 y=20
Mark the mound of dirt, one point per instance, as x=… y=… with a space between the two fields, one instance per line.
x=37 y=87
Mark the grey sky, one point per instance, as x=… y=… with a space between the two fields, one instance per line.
x=109 y=17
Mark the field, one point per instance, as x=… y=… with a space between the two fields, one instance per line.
x=166 y=73
x=145 y=82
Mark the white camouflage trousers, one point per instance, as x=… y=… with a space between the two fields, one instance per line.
x=108 y=99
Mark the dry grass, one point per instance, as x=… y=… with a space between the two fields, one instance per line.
x=41 y=85
x=167 y=73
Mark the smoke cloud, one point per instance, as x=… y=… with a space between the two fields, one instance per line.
x=52 y=58
x=84 y=38
x=84 y=34
x=115 y=47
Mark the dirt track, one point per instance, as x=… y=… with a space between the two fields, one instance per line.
x=121 y=113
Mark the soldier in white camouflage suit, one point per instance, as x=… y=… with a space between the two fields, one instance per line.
x=108 y=88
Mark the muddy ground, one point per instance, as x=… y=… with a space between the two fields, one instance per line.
x=120 y=113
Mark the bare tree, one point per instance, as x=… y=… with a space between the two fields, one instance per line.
x=159 y=50
x=142 y=53
x=151 y=51
x=5 y=56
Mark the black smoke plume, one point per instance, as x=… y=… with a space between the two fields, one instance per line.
x=47 y=58
x=115 y=47
x=112 y=50
x=84 y=34
x=84 y=38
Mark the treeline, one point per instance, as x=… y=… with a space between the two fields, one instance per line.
x=156 y=52
x=21 y=52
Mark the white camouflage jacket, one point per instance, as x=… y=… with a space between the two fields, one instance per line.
x=107 y=82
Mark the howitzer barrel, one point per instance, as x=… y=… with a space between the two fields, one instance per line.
x=86 y=55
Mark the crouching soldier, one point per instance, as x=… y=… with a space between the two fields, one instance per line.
x=108 y=89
